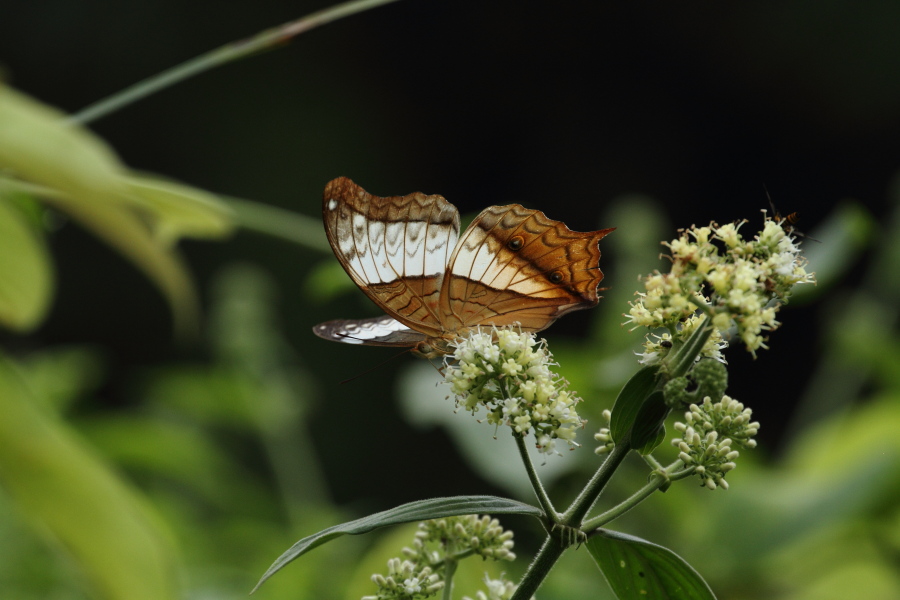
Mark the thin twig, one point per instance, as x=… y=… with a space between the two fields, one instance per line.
x=265 y=40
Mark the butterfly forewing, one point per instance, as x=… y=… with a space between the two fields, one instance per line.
x=395 y=248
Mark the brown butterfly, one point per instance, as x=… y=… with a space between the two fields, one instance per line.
x=512 y=265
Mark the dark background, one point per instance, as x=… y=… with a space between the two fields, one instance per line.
x=560 y=106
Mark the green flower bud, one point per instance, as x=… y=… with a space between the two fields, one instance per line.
x=711 y=378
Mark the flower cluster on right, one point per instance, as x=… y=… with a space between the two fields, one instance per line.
x=720 y=286
x=736 y=282
x=709 y=436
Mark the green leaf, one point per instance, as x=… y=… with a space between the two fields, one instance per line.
x=421 y=510
x=648 y=429
x=180 y=210
x=84 y=178
x=844 y=235
x=326 y=281
x=36 y=144
x=80 y=501
x=629 y=403
x=26 y=274
x=637 y=569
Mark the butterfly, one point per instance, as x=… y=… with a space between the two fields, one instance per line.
x=512 y=265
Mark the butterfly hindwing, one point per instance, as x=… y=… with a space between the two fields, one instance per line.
x=396 y=248
x=377 y=331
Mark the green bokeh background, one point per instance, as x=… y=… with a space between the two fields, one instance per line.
x=137 y=463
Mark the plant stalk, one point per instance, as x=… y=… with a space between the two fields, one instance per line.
x=657 y=480
x=265 y=40
x=539 y=491
x=539 y=568
x=582 y=504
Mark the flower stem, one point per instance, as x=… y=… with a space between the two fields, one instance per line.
x=539 y=568
x=657 y=480
x=449 y=571
x=539 y=491
x=555 y=545
x=681 y=362
x=582 y=504
x=235 y=50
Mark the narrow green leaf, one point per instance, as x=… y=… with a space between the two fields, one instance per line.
x=421 y=510
x=87 y=181
x=637 y=569
x=26 y=274
x=180 y=210
x=629 y=402
x=77 y=499
x=36 y=144
x=648 y=429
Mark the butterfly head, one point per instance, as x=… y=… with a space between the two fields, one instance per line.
x=432 y=348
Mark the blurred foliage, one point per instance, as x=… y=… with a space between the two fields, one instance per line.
x=209 y=471
x=69 y=168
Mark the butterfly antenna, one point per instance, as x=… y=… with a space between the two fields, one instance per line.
x=381 y=364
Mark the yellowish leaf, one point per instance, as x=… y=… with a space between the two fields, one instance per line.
x=76 y=498
x=26 y=273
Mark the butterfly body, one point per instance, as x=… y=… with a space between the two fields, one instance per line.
x=511 y=265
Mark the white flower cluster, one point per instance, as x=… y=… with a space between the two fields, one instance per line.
x=406 y=580
x=508 y=372
x=738 y=282
x=420 y=573
x=708 y=436
x=497 y=589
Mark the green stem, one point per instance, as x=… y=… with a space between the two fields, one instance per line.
x=539 y=568
x=539 y=491
x=682 y=361
x=582 y=504
x=657 y=480
x=449 y=571
x=279 y=223
x=652 y=462
x=224 y=54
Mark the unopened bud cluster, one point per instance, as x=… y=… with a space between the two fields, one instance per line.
x=739 y=283
x=508 y=373
x=420 y=573
x=604 y=436
x=483 y=536
x=709 y=435
x=707 y=378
